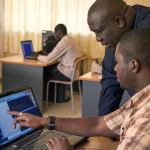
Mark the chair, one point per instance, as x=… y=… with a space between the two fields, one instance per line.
x=78 y=65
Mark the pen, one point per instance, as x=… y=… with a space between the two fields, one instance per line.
x=88 y=148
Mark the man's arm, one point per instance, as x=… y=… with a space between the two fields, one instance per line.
x=111 y=92
x=88 y=126
x=36 y=54
x=57 y=52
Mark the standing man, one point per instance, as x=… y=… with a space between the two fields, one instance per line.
x=66 y=50
x=110 y=20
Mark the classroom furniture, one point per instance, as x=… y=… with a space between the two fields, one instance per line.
x=77 y=67
x=18 y=72
x=50 y=43
x=99 y=142
x=91 y=92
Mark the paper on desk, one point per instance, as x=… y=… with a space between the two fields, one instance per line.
x=100 y=76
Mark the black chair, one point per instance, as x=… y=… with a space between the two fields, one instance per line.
x=50 y=43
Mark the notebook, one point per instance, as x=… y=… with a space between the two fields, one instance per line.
x=27 y=49
x=23 y=100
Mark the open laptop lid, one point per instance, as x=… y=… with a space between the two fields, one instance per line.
x=27 y=47
x=22 y=100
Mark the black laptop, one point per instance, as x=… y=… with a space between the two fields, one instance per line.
x=23 y=100
x=27 y=49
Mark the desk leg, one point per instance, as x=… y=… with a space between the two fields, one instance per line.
x=16 y=76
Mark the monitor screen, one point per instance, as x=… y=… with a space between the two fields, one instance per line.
x=23 y=101
x=27 y=48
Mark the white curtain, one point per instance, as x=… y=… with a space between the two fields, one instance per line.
x=1 y=26
x=25 y=20
x=1 y=32
x=140 y=2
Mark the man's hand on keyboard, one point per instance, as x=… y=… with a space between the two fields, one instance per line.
x=35 y=54
x=28 y=120
x=59 y=144
x=43 y=53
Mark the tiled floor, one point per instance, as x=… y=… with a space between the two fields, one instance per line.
x=64 y=109
x=61 y=109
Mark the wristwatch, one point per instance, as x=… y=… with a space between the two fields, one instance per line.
x=51 y=125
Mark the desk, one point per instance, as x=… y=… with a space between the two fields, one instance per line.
x=99 y=142
x=18 y=72
x=91 y=92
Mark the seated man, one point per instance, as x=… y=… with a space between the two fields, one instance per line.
x=66 y=50
x=131 y=122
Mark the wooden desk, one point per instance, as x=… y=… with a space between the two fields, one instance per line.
x=90 y=94
x=90 y=76
x=18 y=72
x=99 y=142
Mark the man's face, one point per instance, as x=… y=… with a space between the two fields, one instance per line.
x=57 y=35
x=106 y=30
x=123 y=72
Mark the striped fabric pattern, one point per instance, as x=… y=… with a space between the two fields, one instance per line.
x=132 y=122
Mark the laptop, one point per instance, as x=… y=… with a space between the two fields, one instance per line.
x=27 y=49
x=23 y=100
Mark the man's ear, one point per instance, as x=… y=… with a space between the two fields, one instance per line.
x=60 y=33
x=120 y=21
x=135 y=66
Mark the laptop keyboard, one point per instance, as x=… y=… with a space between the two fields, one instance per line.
x=30 y=57
x=39 y=142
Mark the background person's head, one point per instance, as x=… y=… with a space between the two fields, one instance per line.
x=133 y=59
x=109 y=20
x=60 y=31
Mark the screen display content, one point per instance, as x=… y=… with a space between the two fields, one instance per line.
x=27 y=48
x=22 y=101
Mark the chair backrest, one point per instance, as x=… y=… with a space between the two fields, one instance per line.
x=78 y=65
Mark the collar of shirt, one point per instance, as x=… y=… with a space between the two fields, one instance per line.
x=142 y=96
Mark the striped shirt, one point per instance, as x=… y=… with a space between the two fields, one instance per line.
x=132 y=122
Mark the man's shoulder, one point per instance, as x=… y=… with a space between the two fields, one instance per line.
x=69 y=40
x=140 y=6
x=143 y=16
x=142 y=10
x=67 y=37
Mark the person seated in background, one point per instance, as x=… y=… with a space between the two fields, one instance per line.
x=131 y=122
x=66 y=50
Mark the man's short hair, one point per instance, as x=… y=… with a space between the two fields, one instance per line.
x=62 y=28
x=135 y=44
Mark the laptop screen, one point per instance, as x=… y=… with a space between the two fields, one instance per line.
x=27 y=47
x=22 y=101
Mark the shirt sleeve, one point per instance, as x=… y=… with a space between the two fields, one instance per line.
x=114 y=121
x=111 y=92
x=137 y=135
x=57 y=52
